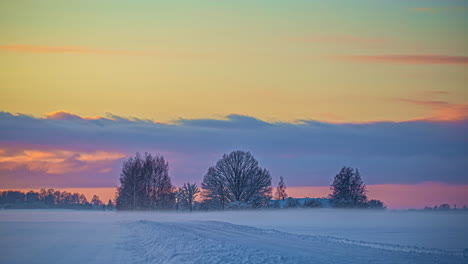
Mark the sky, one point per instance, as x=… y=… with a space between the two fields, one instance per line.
x=306 y=86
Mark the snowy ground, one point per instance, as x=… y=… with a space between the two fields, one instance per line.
x=284 y=236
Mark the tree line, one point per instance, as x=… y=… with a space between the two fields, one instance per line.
x=236 y=181
x=51 y=199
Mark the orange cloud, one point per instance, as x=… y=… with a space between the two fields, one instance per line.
x=35 y=155
x=58 y=161
x=406 y=59
x=440 y=110
x=100 y=156
x=105 y=170
x=453 y=112
x=65 y=115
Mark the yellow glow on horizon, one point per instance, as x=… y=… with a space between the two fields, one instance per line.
x=268 y=60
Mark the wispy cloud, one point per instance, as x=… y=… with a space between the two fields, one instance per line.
x=56 y=161
x=344 y=40
x=449 y=113
x=423 y=9
x=439 y=9
x=405 y=59
x=23 y=48
x=422 y=102
x=439 y=110
x=438 y=92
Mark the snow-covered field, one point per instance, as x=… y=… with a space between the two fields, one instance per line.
x=282 y=236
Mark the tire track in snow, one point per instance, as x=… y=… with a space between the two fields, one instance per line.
x=220 y=242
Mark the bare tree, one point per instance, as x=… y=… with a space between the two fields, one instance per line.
x=237 y=178
x=281 y=190
x=187 y=195
x=214 y=189
x=145 y=184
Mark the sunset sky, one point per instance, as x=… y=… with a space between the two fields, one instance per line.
x=306 y=86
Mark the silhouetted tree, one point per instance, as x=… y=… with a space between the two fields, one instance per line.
x=110 y=205
x=214 y=190
x=237 y=178
x=43 y=199
x=292 y=203
x=348 y=189
x=376 y=204
x=312 y=204
x=187 y=195
x=444 y=207
x=96 y=202
x=32 y=197
x=14 y=197
x=281 y=190
x=145 y=184
x=47 y=196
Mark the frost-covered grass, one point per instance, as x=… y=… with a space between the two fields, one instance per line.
x=278 y=236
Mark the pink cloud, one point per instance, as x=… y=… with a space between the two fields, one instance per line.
x=422 y=102
x=344 y=39
x=436 y=93
x=440 y=110
x=453 y=112
x=405 y=59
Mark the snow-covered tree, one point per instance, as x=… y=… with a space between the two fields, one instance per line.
x=145 y=184
x=187 y=194
x=348 y=189
x=236 y=177
x=281 y=190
